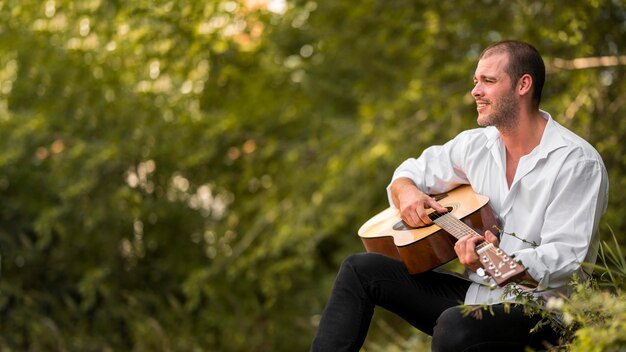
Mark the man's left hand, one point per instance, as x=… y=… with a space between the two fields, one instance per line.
x=465 y=249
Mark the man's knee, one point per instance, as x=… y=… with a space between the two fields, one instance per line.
x=450 y=332
x=365 y=262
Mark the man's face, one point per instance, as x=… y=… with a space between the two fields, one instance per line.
x=496 y=101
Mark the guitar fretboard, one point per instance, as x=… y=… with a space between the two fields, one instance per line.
x=455 y=227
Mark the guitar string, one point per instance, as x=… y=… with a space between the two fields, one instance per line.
x=453 y=225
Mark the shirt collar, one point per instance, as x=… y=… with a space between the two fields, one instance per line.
x=551 y=139
x=492 y=134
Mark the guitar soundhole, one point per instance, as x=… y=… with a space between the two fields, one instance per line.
x=402 y=226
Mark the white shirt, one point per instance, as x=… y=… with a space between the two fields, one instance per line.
x=556 y=200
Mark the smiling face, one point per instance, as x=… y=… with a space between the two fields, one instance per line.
x=496 y=101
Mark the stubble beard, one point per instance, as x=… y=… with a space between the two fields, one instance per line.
x=505 y=114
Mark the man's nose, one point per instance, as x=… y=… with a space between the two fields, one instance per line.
x=477 y=91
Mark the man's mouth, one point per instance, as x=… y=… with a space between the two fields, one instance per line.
x=481 y=105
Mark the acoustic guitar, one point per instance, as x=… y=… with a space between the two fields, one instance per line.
x=427 y=247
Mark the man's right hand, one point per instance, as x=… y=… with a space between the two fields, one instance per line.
x=413 y=203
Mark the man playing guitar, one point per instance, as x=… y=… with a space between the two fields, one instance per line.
x=548 y=186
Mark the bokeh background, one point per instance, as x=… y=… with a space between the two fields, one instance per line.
x=188 y=175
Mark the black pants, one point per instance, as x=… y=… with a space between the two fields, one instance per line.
x=429 y=301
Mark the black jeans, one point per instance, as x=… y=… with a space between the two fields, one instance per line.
x=429 y=301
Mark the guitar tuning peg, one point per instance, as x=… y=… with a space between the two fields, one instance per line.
x=486 y=278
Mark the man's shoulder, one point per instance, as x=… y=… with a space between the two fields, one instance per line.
x=575 y=144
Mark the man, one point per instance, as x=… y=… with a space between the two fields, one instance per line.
x=547 y=185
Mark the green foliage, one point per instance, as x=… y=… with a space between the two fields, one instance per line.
x=599 y=318
x=611 y=270
x=188 y=175
x=596 y=313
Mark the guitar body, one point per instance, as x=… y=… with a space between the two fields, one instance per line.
x=425 y=248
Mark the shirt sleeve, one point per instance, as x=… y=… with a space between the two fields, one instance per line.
x=569 y=232
x=438 y=169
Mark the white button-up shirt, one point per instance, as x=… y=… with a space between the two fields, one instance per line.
x=556 y=200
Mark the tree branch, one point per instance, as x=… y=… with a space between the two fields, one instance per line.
x=585 y=62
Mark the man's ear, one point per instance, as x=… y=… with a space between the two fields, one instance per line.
x=525 y=84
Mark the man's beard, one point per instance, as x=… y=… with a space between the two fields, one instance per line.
x=505 y=113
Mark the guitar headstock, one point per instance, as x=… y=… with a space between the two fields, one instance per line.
x=498 y=265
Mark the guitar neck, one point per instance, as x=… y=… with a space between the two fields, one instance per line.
x=495 y=262
x=452 y=225
x=456 y=227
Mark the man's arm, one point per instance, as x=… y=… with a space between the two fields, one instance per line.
x=568 y=236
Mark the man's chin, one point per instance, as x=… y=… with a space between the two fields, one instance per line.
x=483 y=121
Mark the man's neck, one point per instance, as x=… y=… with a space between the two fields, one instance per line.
x=525 y=135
